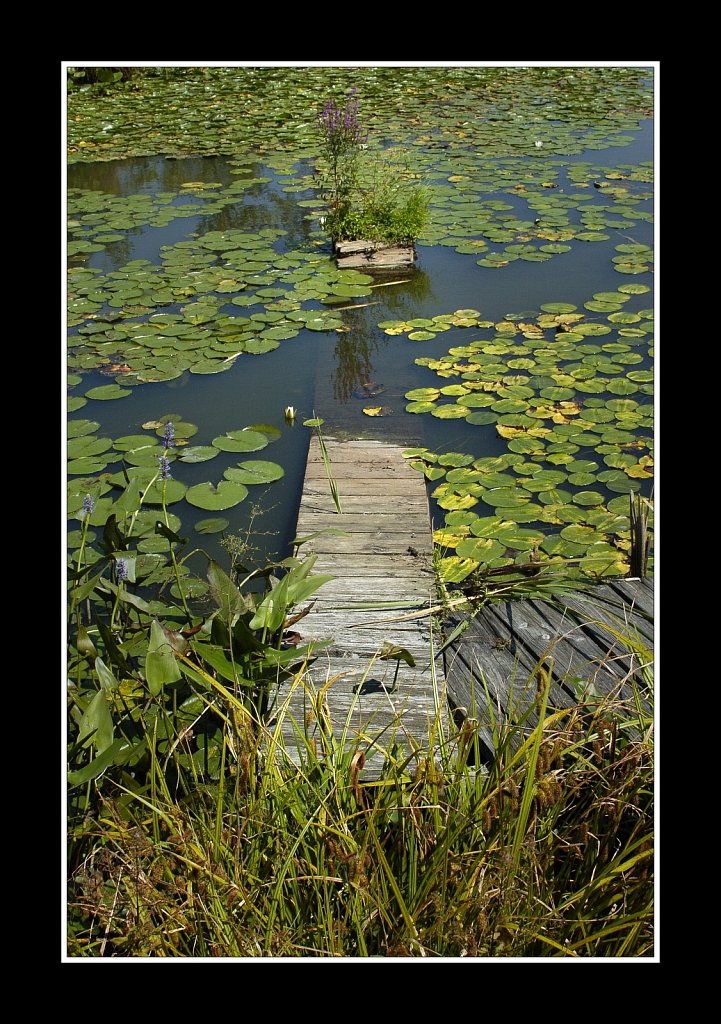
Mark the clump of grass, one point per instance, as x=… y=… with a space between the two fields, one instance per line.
x=284 y=851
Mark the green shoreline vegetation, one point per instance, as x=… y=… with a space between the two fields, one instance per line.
x=193 y=830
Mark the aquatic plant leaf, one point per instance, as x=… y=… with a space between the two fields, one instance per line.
x=216 y=497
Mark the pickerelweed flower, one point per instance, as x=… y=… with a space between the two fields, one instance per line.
x=169 y=435
x=121 y=570
x=88 y=504
x=165 y=473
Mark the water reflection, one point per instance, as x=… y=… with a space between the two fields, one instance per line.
x=360 y=339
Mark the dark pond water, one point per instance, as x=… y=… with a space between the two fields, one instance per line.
x=317 y=372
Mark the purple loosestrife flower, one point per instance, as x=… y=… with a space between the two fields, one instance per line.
x=341 y=127
x=121 y=570
x=169 y=435
x=165 y=473
x=88 y=504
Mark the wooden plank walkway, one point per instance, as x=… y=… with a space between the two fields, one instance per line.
x=382 y=555
x=490 y=667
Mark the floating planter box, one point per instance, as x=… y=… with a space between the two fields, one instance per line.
x=367 y=254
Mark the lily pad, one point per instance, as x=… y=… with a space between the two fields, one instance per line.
x=481 y=549
x=588 y=498
x=216 y=525
x=241 y=441
x=108 y=392
x=225 y=494
x=582 y=535
x=453 y=569
x=76 y=428
x=449 y=412
x=255 y=472
x=422 y=394
x=198 y=453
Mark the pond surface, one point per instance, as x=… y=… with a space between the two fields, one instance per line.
x=164 y=210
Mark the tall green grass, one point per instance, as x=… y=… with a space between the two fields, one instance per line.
x=285 y=852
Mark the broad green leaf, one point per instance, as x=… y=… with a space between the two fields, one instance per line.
x=161 y=666
x=226 y=595
x=212 y=497
x=97 y=722
x=255 y=472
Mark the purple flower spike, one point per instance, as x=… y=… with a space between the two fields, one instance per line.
x=169 y=435
x=165 y=473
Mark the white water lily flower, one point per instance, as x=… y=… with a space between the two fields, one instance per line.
x=539 y=144
x=290 y=413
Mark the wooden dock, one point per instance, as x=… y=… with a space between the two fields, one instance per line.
x=491 y=666
x=390 y=674
x=379 y=551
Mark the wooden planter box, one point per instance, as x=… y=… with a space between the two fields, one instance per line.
x=351 y=255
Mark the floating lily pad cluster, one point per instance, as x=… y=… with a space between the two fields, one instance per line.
x=97 y=219
x=223 y=110
x=569 y=392
x=123 y=473
x=207 y=282
x=531 y=210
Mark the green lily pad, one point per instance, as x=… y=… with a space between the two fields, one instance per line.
x=453 y=569
x=420 y=407
x=518 y=537
x=584 y=535
x=87 y=445
x=241 y=441
x=422 y=394
x=421 y=335
x=216 y=525
x=588 y=498
x=620 y=505
x=634 y=289
x=455 y=459
x=212 y=497
x=107 y=392
x=255 y=472
x=269 y=429
x=481 y=417
x=505 y=497
x=86 y=466
x=526 y=445
x=476 y=401
x=259 y=346
x=486 y=526
x=76 y=428
x=556 y=546
x=558 y=307
x=449 y=412
x=482 y=549
x=197 y=453
x=180 y=427
x=166 y=492
x=76 y=402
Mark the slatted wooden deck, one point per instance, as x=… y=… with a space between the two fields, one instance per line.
x=379 y=551
x=490 y=667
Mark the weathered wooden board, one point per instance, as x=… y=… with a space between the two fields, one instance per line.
x=383 y=556
x=373 y=254
x=491 y=666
